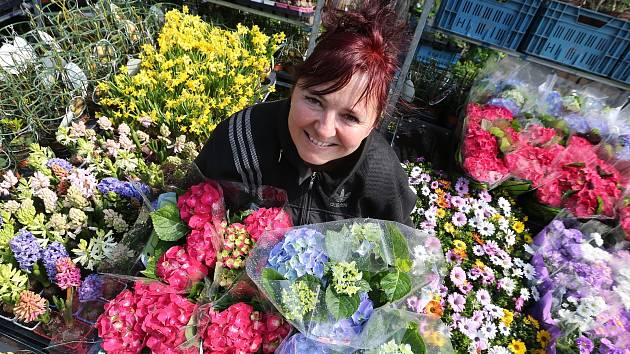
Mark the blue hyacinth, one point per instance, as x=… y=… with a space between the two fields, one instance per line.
x=50 y=255
x=301 y=252
x=133 y=190
x=91 y=288
x=26 y=249
x=61 y=163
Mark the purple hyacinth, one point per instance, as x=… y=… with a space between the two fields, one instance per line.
x=61 y=163
x=26 y=249
x=50 y=255
x=301 y=252
x=91 y=288
x=133 y=190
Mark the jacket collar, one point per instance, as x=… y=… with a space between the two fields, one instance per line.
x=337 y=172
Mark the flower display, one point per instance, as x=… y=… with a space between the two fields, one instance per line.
x=26 y=249
x=200 y=246
x=178 y=269
x=30 y=306
x=486 y=291
x=201 y=204
x=119 y=327
x=300 y=253
x=584 y=289
x=164 y=325
x=241 y=329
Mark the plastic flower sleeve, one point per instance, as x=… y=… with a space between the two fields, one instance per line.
x=329 y=279
x=583 y=292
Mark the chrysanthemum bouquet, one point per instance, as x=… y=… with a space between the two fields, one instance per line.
x=197 y=76
x=486 y=291
x=339 y=283
x=584 y=289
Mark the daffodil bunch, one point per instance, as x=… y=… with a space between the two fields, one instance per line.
x=485 y=293
x=197 y=76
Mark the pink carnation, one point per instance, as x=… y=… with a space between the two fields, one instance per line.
x=119 y=325
x=179 y=269
x=204 y=202
x=68 y=274
x=266 y=219
x=165 y=326
x=200 y=245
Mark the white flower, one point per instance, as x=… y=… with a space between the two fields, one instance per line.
x=11 y=206
x=77 y=217
x=84 y=180
x=529 y=271
x=594 y=254
x=105 y=123
x=494 y=311
x=510 y=238
x=145 y=121
x=505 y=330
x=504 y=203
x=433 y=197
x=164 y=131
x=126 y=143
x=504 y=225
x=38 y=181
x=112 y=147
x=517 y=272
x=77 y=130
x=488 y=330
x=483 y=296
x=415 y=172
x=425 y=191
x=507 y=284
x=498 y=350
x=535 y=294
x=49 y=198
x=180 y=142
x=465 y=208
x=478 y=250
x=123 y=129
x=486 y=228
x=525 y=294
x=143 y=137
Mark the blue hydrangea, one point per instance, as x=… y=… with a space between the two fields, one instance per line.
x=133 y=190
x=505 y=103
x=26 y=249
x=61 y=163
x=348 y=327
x=554 y=103
x=91 y=288
x=301 y=252
x=54 y=251
x=299 y=344
x=576 y=123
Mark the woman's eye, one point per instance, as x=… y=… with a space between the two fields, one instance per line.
x=312 y=100
x=351 y=118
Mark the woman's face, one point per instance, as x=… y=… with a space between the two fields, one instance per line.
x=329 y=127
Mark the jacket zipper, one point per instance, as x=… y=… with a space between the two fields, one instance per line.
x=306 y=205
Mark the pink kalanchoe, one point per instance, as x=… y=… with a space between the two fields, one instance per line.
x=165 y=325
x=237 y=243
x=29 y=307
x=266 y=219
x=200 y=245
x=68 y=274
x=119 y=325
x=178 y=269
x=238 y=329
x=204 y=202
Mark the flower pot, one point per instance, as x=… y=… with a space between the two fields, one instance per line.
x=27 y=326
x=66 y=339
x=282 y=5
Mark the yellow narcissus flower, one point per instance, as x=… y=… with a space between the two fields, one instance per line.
x=29 y=307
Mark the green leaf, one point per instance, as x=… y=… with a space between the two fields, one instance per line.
x=602 y=173
x=363 y=285
x=400 y=249
x=568 y=193
x=339 y=244
x=412 y=337
x=395 y=285
x=157 y=252
x=575 y=164
x=341 y=306
x=600 y=205
x=167 y=223
x=269 y=275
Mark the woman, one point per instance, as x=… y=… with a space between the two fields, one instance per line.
x=320 y=146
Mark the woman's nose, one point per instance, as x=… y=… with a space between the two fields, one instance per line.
x=325 y=126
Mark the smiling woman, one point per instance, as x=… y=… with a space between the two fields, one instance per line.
x=320 y=145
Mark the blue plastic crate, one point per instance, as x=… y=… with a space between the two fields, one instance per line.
x=500 y=23
x=443 y=59
x=622 y=70
x=577 y=37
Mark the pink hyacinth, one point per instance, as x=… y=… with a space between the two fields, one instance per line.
x=178 y=269
x=266 y=219
x=240 y=329
x=200 y=245
x=201 y=204
x=119 y=325
x=68 y=274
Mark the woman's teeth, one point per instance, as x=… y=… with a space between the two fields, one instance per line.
x=317 y=142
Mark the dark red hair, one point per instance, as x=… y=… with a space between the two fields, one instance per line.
x=366 y=40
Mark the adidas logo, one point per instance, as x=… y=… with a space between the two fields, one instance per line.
x=339 y=200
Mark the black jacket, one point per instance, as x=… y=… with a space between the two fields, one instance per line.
x=254 y=147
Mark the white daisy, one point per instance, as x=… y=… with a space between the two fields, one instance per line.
x=486 y=229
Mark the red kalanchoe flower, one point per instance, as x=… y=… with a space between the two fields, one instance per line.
x=201 y=204
x=68 y=274
x=266 y=219
x=178 y=269
x=119 y=325
x=237 y=243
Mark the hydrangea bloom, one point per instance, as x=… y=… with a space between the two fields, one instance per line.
x=26 y=249
x=203 y=201
x=266 y=219
x=200 y=246
x=50 y=255
x=301 y=252
x=165 y=325
x=179 y=269
x=91 y=288
x=119 y=326
x=237 y=243
x=299 y=343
